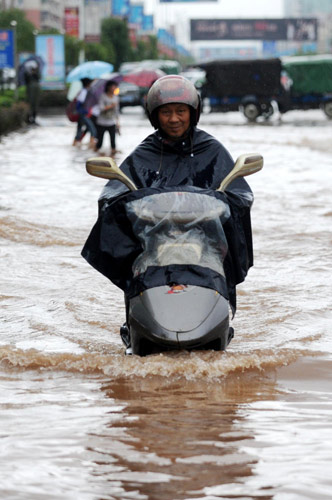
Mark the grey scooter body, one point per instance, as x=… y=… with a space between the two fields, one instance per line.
x=183 y=317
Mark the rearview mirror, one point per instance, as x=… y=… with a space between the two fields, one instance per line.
x=246 y=164
x=106 y=168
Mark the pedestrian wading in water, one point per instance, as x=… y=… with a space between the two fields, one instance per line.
x=32 y=85
x=108 y=118
x=84 y=120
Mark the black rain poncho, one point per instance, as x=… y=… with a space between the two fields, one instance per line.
x=195 y=165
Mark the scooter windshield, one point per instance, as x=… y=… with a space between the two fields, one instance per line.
x=179 y=228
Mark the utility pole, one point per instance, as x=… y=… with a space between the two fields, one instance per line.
x=13 y=24
x=81 y=57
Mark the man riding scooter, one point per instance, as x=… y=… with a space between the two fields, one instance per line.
x=176 y=154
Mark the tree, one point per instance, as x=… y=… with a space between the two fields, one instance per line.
x=24 y=29
x=72 y=50
x=115 y=37
x=152 y=47
x=97 y=52
x=147 y=48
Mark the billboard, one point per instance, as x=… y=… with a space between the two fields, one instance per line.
x=292 y=29
x=166 y=38
x=51 y=49
x=136 y=14
x=148 y=23
x=7 y=58
x=120 y=8
x=72 y=22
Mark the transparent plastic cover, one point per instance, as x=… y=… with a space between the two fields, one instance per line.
x=179 y=228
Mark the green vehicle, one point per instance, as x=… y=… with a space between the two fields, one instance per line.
x=308 y=83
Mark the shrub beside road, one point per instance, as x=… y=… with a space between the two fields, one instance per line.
x=14 y=112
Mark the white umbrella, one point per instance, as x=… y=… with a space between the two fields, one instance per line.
x=74 y=89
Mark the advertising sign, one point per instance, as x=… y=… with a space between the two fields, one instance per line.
x=72 y=22
x=7 y=58
x=292 y=29
x=120 y=8
x=148 y=23
x=136 y=14
x=166 y=38
x=51 y=49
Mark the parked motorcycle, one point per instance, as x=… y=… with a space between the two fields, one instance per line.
x=177 y=242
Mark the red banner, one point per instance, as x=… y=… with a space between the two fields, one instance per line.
x=72 y=22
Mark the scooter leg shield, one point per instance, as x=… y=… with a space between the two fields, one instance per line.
x=196 y=318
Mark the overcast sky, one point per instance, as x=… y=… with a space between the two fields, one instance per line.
x=220 y=8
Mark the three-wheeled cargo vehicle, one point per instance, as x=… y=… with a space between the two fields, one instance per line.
x=249 y=86
x=310 y=79
x=257 y=87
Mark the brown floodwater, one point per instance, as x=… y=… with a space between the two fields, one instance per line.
x=80 y=420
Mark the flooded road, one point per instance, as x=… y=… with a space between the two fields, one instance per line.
x=79 y=420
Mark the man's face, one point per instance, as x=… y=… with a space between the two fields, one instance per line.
x=174 y=119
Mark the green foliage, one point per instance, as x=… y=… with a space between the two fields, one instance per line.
x=115 y=38
x=72 y=50
x=97 y=52
x=152 y=47
x=8 y=98
x=147 y=48
x=5 y=101
x=7 y=93
x=13 y=117
x=53 y=98
x=48 y=98
x=21 y=93
x=24 y=29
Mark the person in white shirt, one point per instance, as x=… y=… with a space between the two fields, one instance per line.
x=108 y=118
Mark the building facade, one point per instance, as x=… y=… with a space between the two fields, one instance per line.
x=322 y=10
x=307 y=8
x=50 y=14
x=44 y=14
x=91 y=14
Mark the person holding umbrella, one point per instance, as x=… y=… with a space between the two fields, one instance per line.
x=31 y=79
x=84 y=120
x=108 y=118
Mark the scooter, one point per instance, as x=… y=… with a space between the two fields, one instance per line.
x=181 y=228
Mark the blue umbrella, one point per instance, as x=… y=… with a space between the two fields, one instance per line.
x=89 y=69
